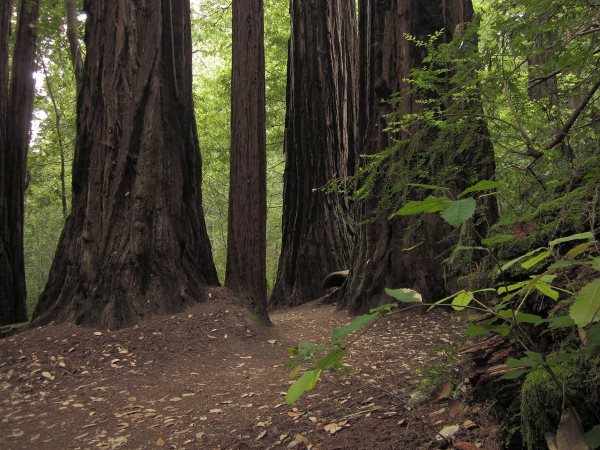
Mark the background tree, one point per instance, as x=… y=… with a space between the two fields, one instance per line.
x=16 y=105
x=246 y=233
x=135 y=242
x=319 y=146
x=407 y=251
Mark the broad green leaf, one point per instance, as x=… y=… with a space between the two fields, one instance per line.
x=430 y=187
x=574 y=237
x=594 y=334
x=483 y=185
x=560 y=322
x=512 y=287
x=512 y=262
x=356 y=324
x=514 y=374
x=429 y=205
x=459 y=211
x=477 y=330
x=305 y=383
x=586 y=306
x=521 y=317
x=536 y=259
x=305 y=348
x=578 y=250
x=592 y=437
x=595 y=263
x=402 y=296
x=462 y=299
x=497 y=239
x=333 y=359
x=547 y=290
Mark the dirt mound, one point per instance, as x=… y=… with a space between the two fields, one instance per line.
x=210 y=377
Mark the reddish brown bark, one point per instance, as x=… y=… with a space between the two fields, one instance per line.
x=16 y=107
x=135 y=243
x=319 y=145
x=386 y=59
x=246 y=234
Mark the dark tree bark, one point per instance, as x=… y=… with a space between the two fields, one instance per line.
x=246 y=234
x=16 y=107
x=135 y=243
x=381 y=258
x=319 y=145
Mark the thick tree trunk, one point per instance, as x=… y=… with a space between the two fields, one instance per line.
x=135 y=243
x=320 y=146
x=246 y=234
x=15 y=142
x=382 y=257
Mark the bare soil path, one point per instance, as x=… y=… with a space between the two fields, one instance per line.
x=210 y=378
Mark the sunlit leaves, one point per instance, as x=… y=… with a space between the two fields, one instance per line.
x=305 y=383
x=586 y=307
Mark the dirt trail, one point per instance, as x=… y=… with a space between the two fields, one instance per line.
x=208 y=378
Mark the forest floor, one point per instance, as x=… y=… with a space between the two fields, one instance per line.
x=209 y=378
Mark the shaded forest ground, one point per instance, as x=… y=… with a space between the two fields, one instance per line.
x=209 y=378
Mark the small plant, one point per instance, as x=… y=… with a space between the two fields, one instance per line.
x=504 y=315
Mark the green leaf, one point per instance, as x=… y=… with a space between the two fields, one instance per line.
x=521 y=317
x=382 y=309
x=592 y=437
x=483 y=185
x=512 y=287
x=560 y=322
x=477 y=330
x=305 y=383
x=429 y=205
x=585 y=308
x=402 y=296
x=462 y=299
x=512 y=262
x=356 y=324
x=459 y=211
x=594 y=334
x=547 y=290
x=595 y=263
x=536 y=259
x=578 y=250
x=513 y=374
x=497 y=239
x=333 y=359
x=574 y=237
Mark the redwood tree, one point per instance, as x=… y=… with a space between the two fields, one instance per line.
x=135 y=242
x=246 y=234
x=319 y=145
x=382 y=257
x=16 y=106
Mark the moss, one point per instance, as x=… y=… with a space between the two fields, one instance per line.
x=541 y=399
x=564 y=215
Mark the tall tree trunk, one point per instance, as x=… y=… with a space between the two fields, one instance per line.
x=73 y=38
x=135 y=243
x=15 y=142
x=246 y=234
x=381 y=258
x=319 y=145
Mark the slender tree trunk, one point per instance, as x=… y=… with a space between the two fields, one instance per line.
x=246 y=234
x=135 y=243
x=61 y=149
x=14 y=147
x=320 y=146
x=381 y=258
x=73 y=38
